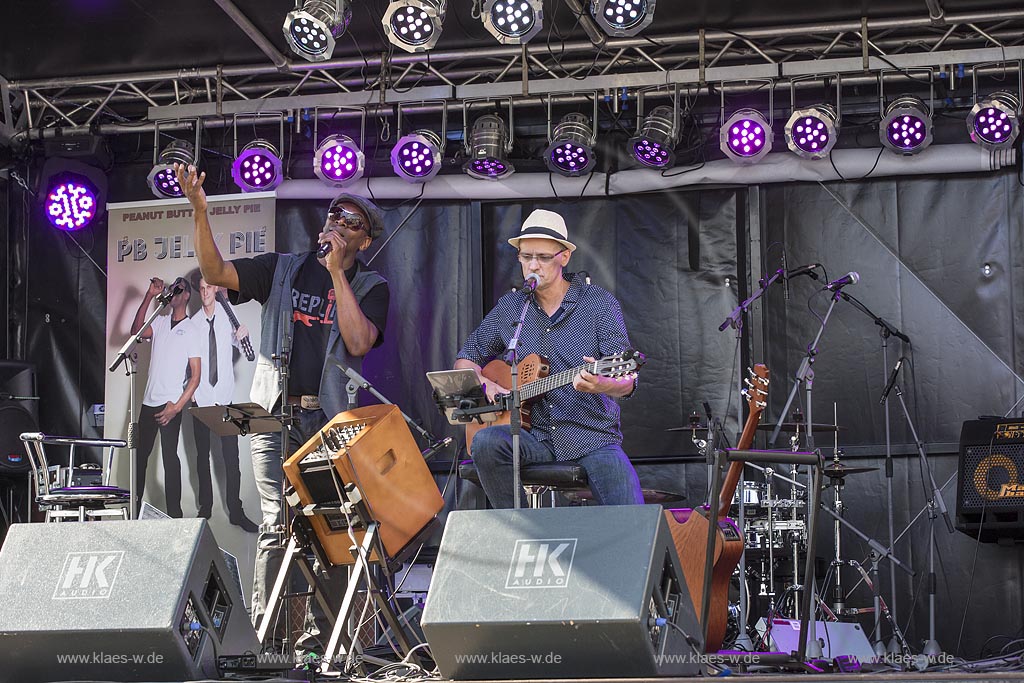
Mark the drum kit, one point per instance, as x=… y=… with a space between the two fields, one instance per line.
x=771 y=510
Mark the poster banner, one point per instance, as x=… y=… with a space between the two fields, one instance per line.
x=189 y=470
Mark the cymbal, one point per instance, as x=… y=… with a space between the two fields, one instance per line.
x=689 y=428
x=840 y=471
x=798 y=427
x=651 y=496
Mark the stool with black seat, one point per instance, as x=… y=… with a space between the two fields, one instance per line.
x=540 y=478
x=77 y=492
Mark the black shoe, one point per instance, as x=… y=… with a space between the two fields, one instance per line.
x=204 y=512
x=240 y=520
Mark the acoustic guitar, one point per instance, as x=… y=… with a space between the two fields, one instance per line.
x=535 y=381
x=690 y=528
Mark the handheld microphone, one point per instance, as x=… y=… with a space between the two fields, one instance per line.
x=850 y=278
x=531 y=282
x=892 y=381
x=172 y=291
x=804 y=270
x=785 y=276
x=324 y=249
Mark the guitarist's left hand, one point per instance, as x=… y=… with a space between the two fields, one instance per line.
x=596 y=384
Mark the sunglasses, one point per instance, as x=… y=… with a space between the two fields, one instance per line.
x=342 y=216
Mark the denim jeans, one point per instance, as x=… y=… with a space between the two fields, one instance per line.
x=267 y=469
x=612 y=478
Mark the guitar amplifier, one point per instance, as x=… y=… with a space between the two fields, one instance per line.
x=372 y=451
x=990 y=488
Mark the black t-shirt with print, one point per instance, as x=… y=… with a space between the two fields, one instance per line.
x=313 y=311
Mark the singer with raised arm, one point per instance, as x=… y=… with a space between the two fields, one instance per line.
x=337 y=309
x=174 y=363
x=570 y=323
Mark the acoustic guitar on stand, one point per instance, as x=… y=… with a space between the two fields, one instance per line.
x=690 y=528
x=534 y=381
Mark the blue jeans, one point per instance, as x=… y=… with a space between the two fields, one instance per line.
x=612 y=478
x=267 y=469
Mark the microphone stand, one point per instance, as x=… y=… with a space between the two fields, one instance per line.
x=735 y=320
x=516 y=420
x=124 y=356
x=885 y=330
x=361 y=382
x=931 y=648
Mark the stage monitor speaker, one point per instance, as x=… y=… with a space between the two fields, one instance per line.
x=576 y=592
x=990 y=486
x=16 y=379
x=124 y=601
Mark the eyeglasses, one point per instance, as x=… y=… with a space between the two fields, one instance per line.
x=346 y=218
x=542 y=259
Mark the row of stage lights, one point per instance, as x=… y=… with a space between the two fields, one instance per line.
x=745 y=137
x=312 y=29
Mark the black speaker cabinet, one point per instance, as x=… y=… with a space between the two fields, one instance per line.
x=576 y=592
x=16 y=379
x=124 y=601
x=990 y=487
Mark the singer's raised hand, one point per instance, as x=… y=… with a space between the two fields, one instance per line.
x=334 y=258
x=191 y=182
x=156 y=287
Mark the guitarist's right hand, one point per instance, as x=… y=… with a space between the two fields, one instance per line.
x=493 y=389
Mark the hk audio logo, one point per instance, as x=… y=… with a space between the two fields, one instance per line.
x=88 y=575
x=541 y=563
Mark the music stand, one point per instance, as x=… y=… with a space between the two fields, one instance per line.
x=461 y=398
x=237 y=419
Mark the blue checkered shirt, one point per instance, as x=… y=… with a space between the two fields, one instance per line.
x=588 y=323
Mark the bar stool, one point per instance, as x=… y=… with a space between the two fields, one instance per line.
x=64 y=498
x=540 y=478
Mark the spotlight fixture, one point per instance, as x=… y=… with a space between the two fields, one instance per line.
x=73 y=194
x=654 y=144
x=811 y=133
x=414 y=25
x=994 y=122
x=338 y=161
x=570 y=150
x=417 y=156
x=906 y=126
x=161 y=178
x=623 y=17
x=489 y=145
x=258 y=167
x=513 y=22
x=311 y=31
x=746 y=136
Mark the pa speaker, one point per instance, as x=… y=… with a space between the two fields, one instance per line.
x=125 y=601
x=16 y=379
x=578 y=592
x=990 y=482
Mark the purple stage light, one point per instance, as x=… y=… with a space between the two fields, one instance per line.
x=811 y=133
x=71 y=202
x=746 y=136
x=994 y=122
x=417 y=156
x=161 y=179
x=570 y=152
x=338 y=161
x=488 y=147
x=258 y=168
x=311 y=31
x=906 y=127
x=414 y=25
x=655 y=141
x=623 y=17
x=569 y=158
x=513 y=22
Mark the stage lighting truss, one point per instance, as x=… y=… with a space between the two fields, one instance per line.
x=312 y=27
x=623 y=17
x=513 y=22
x=338 y=159
x=746 y=136
x=73 y=194
x=488 y=144
x=258 y=167
x=414 y=25
x=416 y=157
x=994 y=122
x=570 y=150
x=162 y=180
x=657 y=134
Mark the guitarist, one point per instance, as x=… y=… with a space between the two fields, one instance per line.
x=217 y=341
x=569 y=322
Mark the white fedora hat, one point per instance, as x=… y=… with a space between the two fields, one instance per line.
x=544 y=224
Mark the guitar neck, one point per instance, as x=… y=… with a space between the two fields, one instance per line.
x=551 y=382
x=227 y=309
